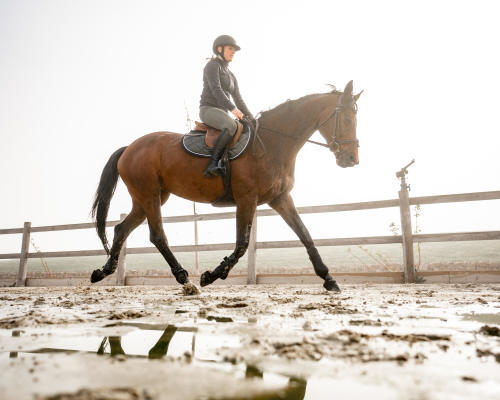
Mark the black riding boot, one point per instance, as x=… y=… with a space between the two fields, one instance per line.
x=220 y=145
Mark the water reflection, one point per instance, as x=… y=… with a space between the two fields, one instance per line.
x=295 y=389
x=137 y=341
x=115 y=344
x=483 y=318
x=157 y=351
x=219 y=319
x=160 y=349
x=14 y=354
x=253 y=372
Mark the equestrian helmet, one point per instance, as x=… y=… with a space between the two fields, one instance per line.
x=224 y=40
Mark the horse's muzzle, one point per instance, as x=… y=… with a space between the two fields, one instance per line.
x=347 y=160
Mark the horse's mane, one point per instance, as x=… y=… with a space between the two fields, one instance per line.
x=289 y=101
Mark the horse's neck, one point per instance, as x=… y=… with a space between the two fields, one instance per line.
x=297 y=121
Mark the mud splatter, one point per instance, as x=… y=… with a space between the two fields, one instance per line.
x=101 y=394
x=12 y=322
x=490 y=330
x=130 y=314
x=232 y=305
x=189 y=289
x=365 y=322
x=330 y=308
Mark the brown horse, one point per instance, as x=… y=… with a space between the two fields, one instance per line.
x=156 y=165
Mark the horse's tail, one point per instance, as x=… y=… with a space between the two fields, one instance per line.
x=103 y=195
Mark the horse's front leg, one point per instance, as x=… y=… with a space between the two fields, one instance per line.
x=244 y=218
x=285 y=207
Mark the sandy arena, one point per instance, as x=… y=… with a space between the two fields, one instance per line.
x=417 y=342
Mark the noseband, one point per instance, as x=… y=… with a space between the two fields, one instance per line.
x=333 y=143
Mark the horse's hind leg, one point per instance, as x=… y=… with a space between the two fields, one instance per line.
x=122 y=230
x=285 y=207
x=159 y=239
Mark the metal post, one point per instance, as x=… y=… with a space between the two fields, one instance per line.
x=121 y=270
x=252 y=253
x=196 y=259
x=406 y=232
x=23 y=260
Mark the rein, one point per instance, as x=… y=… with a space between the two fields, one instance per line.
x=290 y=136
x=333 y=144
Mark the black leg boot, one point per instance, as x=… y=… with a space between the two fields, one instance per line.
x=220 y=145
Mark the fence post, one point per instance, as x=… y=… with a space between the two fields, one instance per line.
x=252 y=253
x=23 y=260
x=404 y=208
x=196 y=257
x=120 y=272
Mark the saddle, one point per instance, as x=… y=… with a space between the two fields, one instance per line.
x=212 y=133
x=200 y=142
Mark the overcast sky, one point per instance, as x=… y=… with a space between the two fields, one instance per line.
x=79 y=79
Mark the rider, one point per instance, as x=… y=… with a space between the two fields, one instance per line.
x=219 y=85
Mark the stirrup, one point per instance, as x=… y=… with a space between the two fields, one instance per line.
x=214 y=168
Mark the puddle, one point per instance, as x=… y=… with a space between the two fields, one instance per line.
x=156 y=342
x=149 y=341
x=483 y=318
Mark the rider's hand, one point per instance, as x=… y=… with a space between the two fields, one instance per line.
x=237 y=113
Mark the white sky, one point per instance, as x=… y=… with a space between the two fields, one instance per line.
x=79 y=79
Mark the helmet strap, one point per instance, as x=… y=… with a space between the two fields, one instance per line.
x=221 y=53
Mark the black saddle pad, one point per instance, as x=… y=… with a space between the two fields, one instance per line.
x=194 y=143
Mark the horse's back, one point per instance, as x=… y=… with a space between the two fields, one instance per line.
x=154 y=140
x=144 y=155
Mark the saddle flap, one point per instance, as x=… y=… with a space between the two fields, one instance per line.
x=212 y=134
x=200 y=126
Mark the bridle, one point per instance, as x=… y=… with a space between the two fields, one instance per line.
x=333 y=144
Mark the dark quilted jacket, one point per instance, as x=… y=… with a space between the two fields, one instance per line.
x=219 y=85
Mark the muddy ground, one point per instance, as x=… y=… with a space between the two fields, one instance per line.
x=251 y=342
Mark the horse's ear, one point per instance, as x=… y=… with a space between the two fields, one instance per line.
x=348 y=89
x=356 y=96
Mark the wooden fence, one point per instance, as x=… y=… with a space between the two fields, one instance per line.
x=406 y=239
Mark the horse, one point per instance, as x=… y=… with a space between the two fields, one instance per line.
x=155 y=166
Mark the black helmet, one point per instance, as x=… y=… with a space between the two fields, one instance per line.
x=224 y=40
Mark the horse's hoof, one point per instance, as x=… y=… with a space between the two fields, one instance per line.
x=205 y=279
x=182 y=277
x=188 y=289
x=331 y=286
x=97 y=276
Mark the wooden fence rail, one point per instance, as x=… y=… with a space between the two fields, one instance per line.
x=407 y=239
